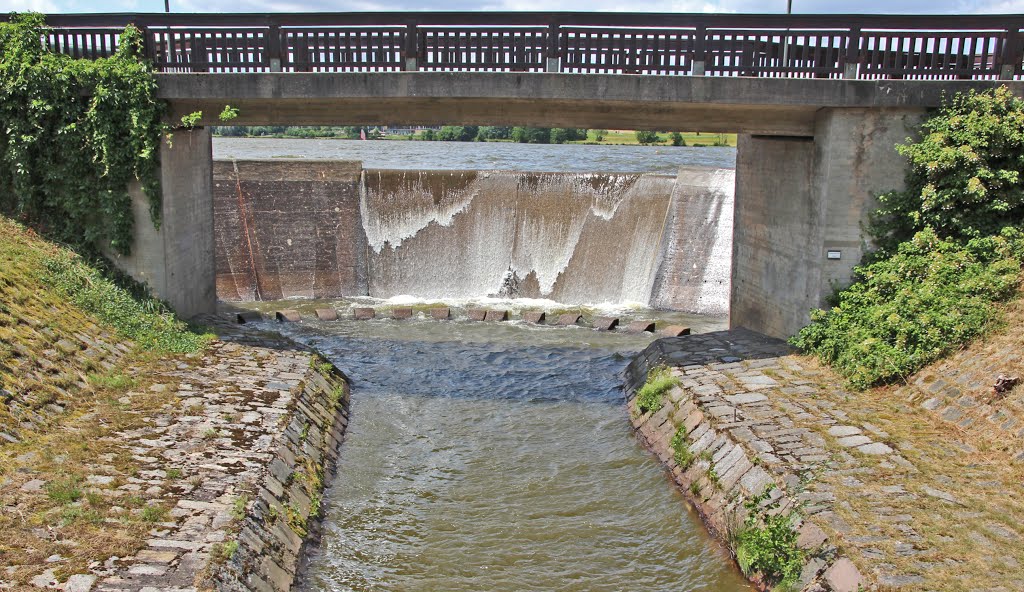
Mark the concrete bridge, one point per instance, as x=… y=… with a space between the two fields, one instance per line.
x=819 y=103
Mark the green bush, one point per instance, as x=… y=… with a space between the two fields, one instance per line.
x=647 y=137
x=649 y=397
x=74 y=134
x=926 y=300
x=767 y=545
x=950 y=247
x=964 y=178
x=147 y=321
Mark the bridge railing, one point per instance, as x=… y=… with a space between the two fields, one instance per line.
x=808 y=46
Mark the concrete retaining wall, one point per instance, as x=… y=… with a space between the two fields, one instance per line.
x=285 y=516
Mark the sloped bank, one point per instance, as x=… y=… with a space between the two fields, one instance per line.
x=284 y=518
x=730 y=452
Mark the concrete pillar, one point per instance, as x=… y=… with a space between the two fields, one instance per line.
x=800 y=207
x=698 y=68
x=553 y=65
x=176 y=261
x=411 y=65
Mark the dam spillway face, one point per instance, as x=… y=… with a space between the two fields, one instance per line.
x=329 y=229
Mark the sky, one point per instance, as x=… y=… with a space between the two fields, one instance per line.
x=741 y=6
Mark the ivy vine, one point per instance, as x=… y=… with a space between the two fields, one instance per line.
x=74 y=134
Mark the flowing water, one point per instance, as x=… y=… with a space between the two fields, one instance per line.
x=398 y=154
x=498 y=456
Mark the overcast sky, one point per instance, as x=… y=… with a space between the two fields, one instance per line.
x=757 y=6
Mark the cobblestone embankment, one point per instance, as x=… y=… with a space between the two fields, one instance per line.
x=258 y=428
x=886 y=495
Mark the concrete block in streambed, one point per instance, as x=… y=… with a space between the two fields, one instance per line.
x=326 y=314
x=288 y=316
x=496 y=315
x=363 y=313
x=640 y=327
x=249 y=316
x=674 y=331
x=534 y=316
x=441 y=314
x=400 y=314
x=477 y=314
x=569 y=318
x=606 y=323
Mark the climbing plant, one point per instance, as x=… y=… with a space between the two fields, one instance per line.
x=74 y=134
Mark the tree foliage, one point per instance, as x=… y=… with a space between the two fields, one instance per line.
x=952 y=246
x=74 y=134
x=965 y=174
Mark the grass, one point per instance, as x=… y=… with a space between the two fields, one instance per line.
x=628 y=138
x=650 y=396
x=54 y=371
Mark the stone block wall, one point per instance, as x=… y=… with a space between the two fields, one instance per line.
x=736 y=439
x=285 y=516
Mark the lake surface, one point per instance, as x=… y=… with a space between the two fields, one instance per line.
x=498 y=457
x=399 y=154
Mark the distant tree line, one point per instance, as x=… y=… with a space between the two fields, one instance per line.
x=522 y=135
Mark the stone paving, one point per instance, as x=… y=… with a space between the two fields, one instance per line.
x=913 y=504
x=200 y=461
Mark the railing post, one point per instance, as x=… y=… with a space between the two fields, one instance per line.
x=412 y=49
x=274 y=44
x=852 y=60
x=700 y=38
x=1012 y=54
x=553 y=61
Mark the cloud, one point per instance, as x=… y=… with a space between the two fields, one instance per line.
x=29 y=5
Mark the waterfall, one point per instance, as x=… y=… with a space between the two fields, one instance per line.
x=328 y=229
x=575 y=238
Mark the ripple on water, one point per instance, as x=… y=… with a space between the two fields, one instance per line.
x=475 y=465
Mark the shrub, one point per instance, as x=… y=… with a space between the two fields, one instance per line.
x=909 y=309
x=677 y=139
x=649 y=397
x=646 y=137
x=950 y=247
x=105 y=115
x=964 y=178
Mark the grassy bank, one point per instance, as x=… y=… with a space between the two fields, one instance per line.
x=78 y=356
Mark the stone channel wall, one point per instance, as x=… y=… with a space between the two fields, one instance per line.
x=285 y=516
x=741 y=447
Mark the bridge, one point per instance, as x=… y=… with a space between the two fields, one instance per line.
x=819 y=103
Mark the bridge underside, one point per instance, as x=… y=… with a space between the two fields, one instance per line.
x=777 y=106
x=812 y=156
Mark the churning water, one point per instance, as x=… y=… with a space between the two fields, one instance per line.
x=498 y=457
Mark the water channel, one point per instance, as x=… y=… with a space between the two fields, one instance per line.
x=496 y=456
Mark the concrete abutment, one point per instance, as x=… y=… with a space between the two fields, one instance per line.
x=801 y=204
x=176 y=260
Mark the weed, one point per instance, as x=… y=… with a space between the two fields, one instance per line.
x=238 y=506
x=115 y=381
x=64 y=491
x=174 y=474
x=767 y=544
x=695 y=488
x=154 y=513
x=296 y=521
x=649 y=397
x=680 y=444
